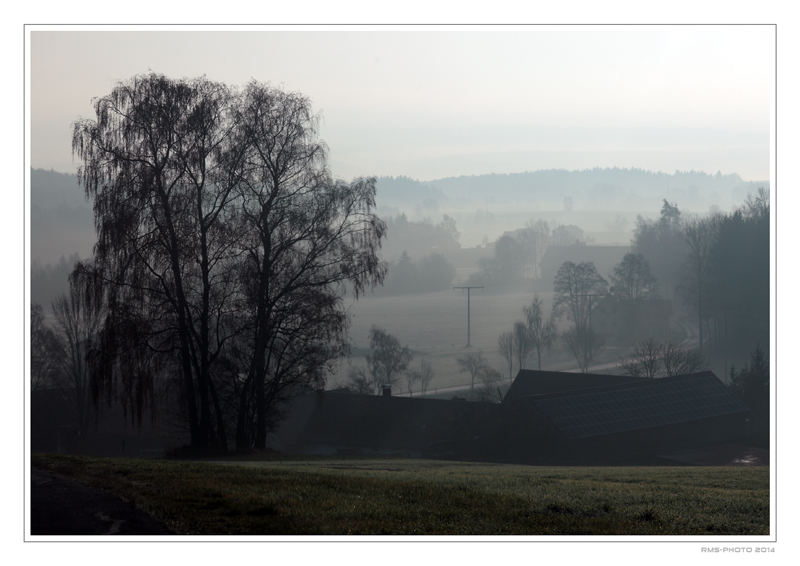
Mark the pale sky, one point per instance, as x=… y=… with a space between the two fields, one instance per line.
x=437 y=102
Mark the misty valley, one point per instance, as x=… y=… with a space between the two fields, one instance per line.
x=205 y=287
x=428 y=281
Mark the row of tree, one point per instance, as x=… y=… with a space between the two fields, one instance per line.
x=578 y=290
x=654 y=359
x=720 y=266
x=224 y=249
x=387 y=362
x=430 y=273
x=517 y=256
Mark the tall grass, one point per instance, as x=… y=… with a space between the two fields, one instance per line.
x=416 y=497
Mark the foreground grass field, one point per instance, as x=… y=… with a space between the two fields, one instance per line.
x=325 y=496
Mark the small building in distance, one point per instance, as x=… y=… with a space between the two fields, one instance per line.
x=628 y=421
x=546 y=418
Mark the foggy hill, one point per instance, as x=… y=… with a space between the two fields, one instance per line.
x=51 y=189
x=599 y=189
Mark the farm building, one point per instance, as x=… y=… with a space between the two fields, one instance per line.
x=532 y=382
x=547 y=418
x=632 y=421
x=339 y=422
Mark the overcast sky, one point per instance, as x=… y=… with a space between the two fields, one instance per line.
x=436 y=102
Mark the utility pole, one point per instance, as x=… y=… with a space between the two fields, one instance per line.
x=588 y=344
x=469 y=344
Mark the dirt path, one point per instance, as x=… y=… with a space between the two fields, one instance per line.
x=61 y=506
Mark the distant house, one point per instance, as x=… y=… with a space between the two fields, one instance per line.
x=605 y=258
x=632 y=421
x=569 y=234
x=633 y=320
x=532 y=382
x=351 y=424
x=546 y=418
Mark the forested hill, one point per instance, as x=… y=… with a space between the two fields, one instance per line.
x=589 y=188
x=51 y=189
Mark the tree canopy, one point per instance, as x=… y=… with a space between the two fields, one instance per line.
x=224 y=245
x=578 y=289
x=632 y=280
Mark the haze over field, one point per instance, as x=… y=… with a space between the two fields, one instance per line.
x=489 y=148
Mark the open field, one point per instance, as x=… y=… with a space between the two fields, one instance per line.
x=434 y=326
x=280 y=494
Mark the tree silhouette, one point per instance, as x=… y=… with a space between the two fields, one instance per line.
x=224 y=244
x=471 y=363
x=542 y=333
x=389 y=358
x=505 y=345
x=578 y=288
x=632 y=280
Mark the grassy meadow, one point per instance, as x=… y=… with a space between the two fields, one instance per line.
x=286 y=495
x=434 y=327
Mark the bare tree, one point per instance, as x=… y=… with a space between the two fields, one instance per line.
x=309 y=235
x=653 y=359
x=360 y=381
x=538 y=239
x=645 y=361
x=699 y=234
x=423 y=374
x=583 y=344
x=388 y=357
x=505 y=345
x=161 y=161
x=44 y=350
x=542 y=333
x=489 y=390
x=411 y=379
x=523 y=345
x=681 y=362
x=632 y=280
x=219 y=222
x=77 y=322
x=578 y=288
x=471 y=363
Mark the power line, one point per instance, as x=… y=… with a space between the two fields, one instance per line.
x=469 y=344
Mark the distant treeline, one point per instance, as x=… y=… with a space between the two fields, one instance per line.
x=418 y=238
x=719 y=265
x=598 y=187
x=51 y=189
x=48 y=281
x=430 y=273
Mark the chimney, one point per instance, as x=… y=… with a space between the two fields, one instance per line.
x=387 y=390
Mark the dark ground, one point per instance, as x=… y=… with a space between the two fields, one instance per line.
x=61 y=506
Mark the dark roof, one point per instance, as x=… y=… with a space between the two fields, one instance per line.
x=638 y=405
x=532 y=382
x=391 y=423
